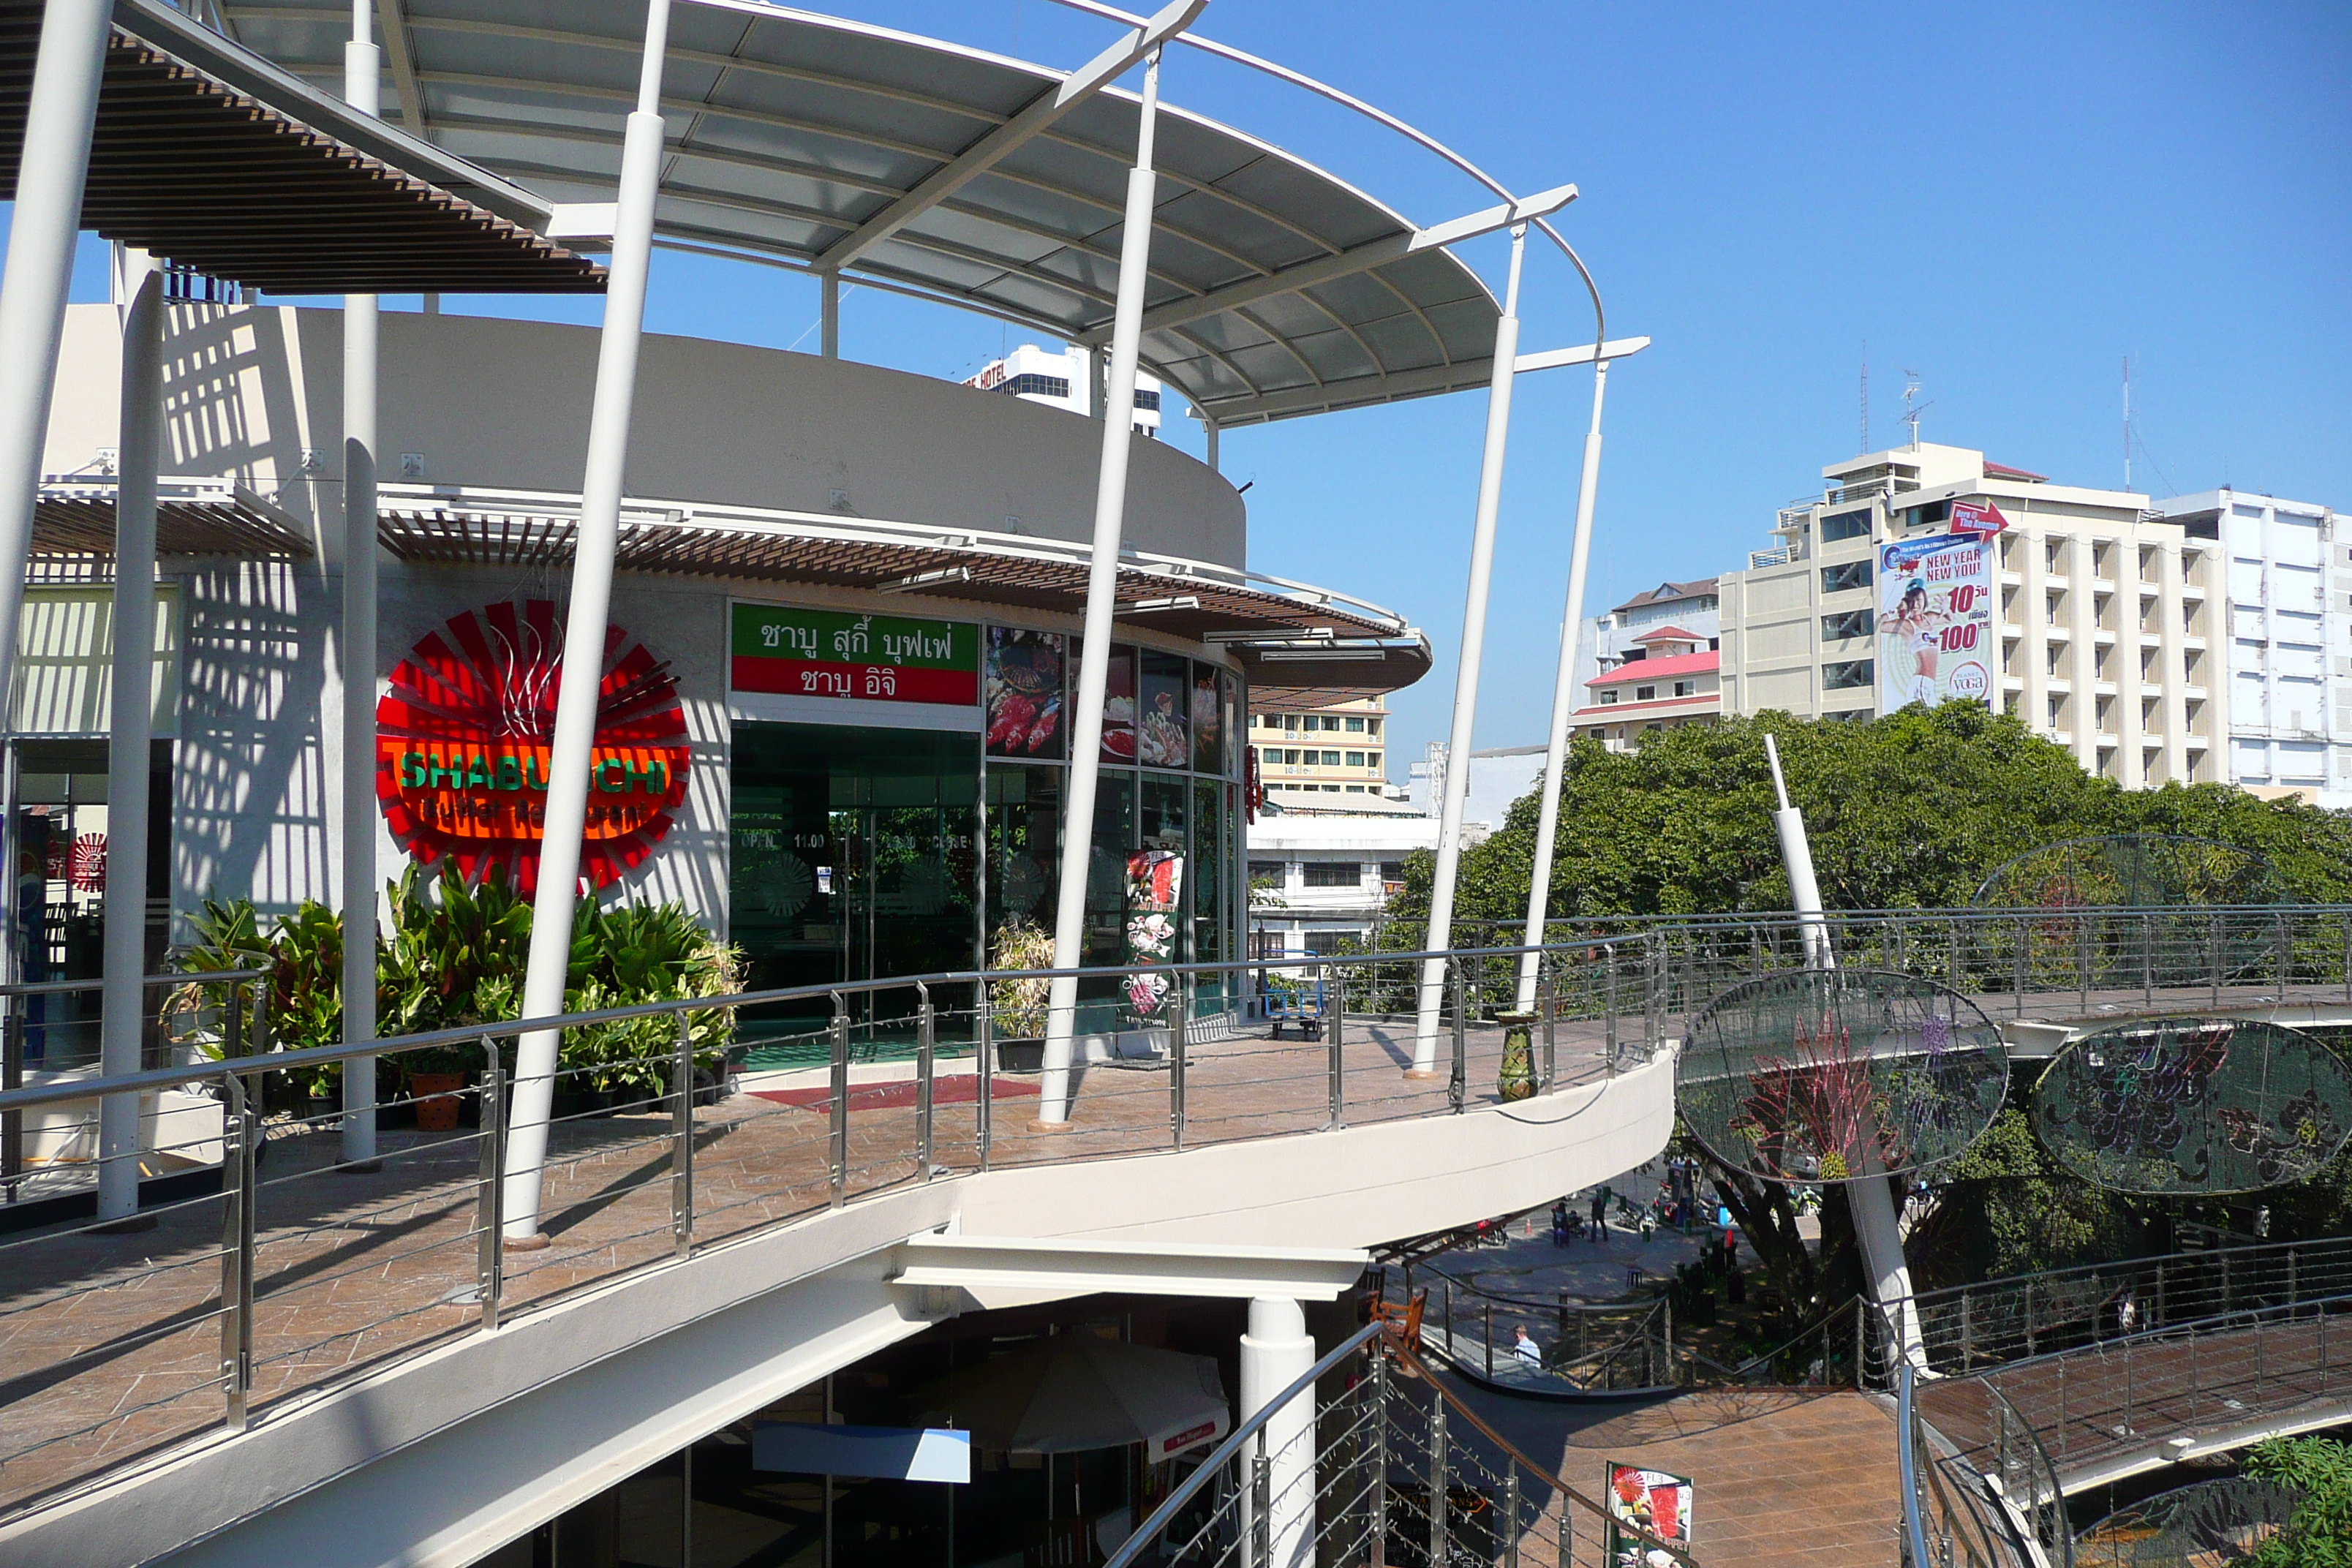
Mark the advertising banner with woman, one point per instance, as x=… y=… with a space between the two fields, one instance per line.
x=1936 y=638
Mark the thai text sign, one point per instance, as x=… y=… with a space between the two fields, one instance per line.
x=1936 y=636
x=828 y=653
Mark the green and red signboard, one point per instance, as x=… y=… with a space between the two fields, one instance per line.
x=792 y=652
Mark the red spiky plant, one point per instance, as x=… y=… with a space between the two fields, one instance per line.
x=1819 y=1098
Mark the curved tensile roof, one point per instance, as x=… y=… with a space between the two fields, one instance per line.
x=1276 y=289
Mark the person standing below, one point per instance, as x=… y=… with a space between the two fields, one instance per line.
x=1600 y=1215
x=1525 y=1347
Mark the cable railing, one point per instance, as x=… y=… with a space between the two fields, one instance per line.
x=295 y=1267
x=1957 y=1516
x=1389 y=1466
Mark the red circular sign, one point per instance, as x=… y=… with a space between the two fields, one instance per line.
x=462 y=741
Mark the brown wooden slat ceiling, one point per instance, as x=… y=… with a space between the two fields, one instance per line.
x=220 y=182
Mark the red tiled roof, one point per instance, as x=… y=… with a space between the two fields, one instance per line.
x=2003 y=471
x=1654 y=669
x=1670 y=634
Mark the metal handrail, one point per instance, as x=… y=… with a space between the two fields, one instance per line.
x=1906 y=1460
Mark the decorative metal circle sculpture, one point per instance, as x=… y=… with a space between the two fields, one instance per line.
x=2135 y=871
x=2194 y=1105
x=2199 y=1526
x=1833 y=1075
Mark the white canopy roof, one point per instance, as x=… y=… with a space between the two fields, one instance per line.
x=944 y=171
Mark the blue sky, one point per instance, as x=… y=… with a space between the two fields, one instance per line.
x=2006 y=199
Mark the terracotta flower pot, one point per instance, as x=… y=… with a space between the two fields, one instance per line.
x=437 y=1100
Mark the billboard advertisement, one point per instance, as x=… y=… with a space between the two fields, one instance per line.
x=1936 y=636
x=1653 y=1500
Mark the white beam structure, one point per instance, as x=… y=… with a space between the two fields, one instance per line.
x=1398 y=385
x=51 y=165
x=363 y=90
x=998 y=1271
x=1465 y=680
x=1102 y=603
x=122 y=1001
x=1034 y=119
x=393 y=16
x=584 y=640
x=828 y=317
x=1348 y=263
x=1563 y=690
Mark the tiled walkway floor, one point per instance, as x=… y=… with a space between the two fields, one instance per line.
x=110 y=1346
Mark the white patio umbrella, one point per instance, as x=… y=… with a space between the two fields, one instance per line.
x=1075 y=1392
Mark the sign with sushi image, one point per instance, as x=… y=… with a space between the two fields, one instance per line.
x=1020 y=680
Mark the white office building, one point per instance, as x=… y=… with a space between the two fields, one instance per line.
x=2290 y=641
x=2092 y=618
x=1318 y=877
x=1069 y=378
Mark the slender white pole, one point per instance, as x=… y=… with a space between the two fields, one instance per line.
x=54 y=160
x=1210 y=429
x=1797 y=855
x=362 y=75
x=829 y=315
x=1465 y=680
x=584 y=638
x=1102 y=586
x=122 y=1008
x=1563 y=697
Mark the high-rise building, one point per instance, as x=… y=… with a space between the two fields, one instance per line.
x=1064 y=378
x=2289 y=631
x=1304 y=759
x=1925 y=572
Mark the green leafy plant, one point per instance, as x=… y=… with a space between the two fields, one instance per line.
x=195 y=1016
x=1018 y=1006
x=2319 y=1532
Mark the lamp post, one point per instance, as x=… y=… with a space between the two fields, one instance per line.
x=584 y=640
x=1564 y=691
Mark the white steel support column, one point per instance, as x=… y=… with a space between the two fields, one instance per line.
x=122 y=1006
x=1277 y=1353
x=1465 y=680
x=1210 y=431
x=1563 y=697
x=1102 y=588
x=584 y=638
x=51 y=165
x=363 y=76
x=828 y=317
x=1797 y=855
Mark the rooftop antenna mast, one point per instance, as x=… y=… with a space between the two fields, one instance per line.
x=1865 y=397
x=1911 y=406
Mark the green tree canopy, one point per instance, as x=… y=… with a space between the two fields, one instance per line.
x=2320 y=1533
x=1906 y=812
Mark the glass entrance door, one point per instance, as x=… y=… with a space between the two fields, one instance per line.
x=853 y=857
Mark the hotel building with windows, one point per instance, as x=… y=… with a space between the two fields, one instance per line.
x=1341 y=750
x=2106 y=626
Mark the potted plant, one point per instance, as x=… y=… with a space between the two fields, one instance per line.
x=1017 y=1007
x=436 y=1077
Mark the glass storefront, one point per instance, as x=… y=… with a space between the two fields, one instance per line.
x=860 y=852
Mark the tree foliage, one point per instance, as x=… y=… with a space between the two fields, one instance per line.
x=2319 y=1534
x=1910 y=811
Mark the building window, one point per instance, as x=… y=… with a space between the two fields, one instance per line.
x=1355 y=758
x=1355 y=725
x=1845 y=674
x=1330 y=759
x=1846 y=525
x=1607 y=697
x=1290 y=759
x=1645 y=694
x=2057 y=712
x=1685 y=688
x=1033 y=385
x=1330 y=723
x=1143 y=399
x=1844 y=576
x=2008 y=703
x=1371 y=758
x=2057 y=607
x=1333 y=873
x=1268 y=871
x=1846 y=624
x=1372 y=726
x=1841 y=674
x=1391 y=870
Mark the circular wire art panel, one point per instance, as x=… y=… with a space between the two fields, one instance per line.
x=1831 y=1075
x=2133 y=871
x=2194 y=1105
x=2203 y=1525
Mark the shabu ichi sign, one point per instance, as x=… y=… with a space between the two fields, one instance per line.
x=463 y=736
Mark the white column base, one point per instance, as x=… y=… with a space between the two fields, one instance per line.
x=1275 y=1353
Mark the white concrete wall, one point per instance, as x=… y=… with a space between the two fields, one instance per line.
x=498 y=403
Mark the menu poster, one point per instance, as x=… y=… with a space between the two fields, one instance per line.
x=1155 y=893
x=1208 y=729
x=1652 y=1499
x=1163 y=727
x=1022 y=682
x=1119 y=708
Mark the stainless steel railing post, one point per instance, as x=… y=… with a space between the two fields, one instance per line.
x=1261 y=1506
x=926 y=1044
x=1178 y=1065
x=1511 y=1512
x=1335 y=1026
x=1548 y=1009
x=1488 y=1331
x=12 y=1076
x=1437 y=1469
x=1380 y=1476
x=2214 y=942
x=1609 y=1010
x=984 y=1107
x=838 y=1151
x=1458 y=1084
x=681 y=1159
x=489 y=1260
x=237 y=1254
